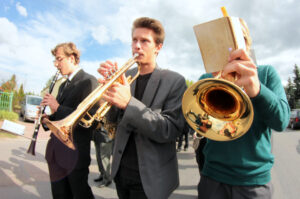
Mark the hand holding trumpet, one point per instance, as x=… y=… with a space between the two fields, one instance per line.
x=119 y=93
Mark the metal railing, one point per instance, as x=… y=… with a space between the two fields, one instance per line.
x=6 y=100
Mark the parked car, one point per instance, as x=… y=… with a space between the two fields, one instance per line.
x=29 y=107
x=294 y=119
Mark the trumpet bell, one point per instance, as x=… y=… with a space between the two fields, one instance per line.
x=217 y=109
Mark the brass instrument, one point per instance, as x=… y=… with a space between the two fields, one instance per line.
x=217 y=109
x=63 y=129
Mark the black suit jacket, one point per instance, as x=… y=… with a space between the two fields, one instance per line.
x=56 y=152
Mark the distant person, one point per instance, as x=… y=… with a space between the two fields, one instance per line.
x=198 y=145
x=241 y=168
x=69 y=169
x=103 y=146
x=149 y=118
x=184 y=134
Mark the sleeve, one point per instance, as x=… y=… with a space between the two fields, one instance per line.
x=206 y=75
x=158 y=125
x=271 y=103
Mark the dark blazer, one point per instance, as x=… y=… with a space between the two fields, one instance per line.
x=79 y=88
x=157 y=120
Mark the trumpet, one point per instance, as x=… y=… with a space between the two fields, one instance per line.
x=31 y=148
x=217 y=109
x=63 y=129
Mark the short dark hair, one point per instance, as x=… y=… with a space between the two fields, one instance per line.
x=152 y=24
x=69 y=49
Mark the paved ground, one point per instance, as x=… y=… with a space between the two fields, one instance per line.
x=25 y=176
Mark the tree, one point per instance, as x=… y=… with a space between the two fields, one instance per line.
x=189 y=82
x=48 y=83
x=290 y=93
x=296 y=85
x=9 y=85
x=21 y=93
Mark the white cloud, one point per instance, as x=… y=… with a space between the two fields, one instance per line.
x=22 y=10
x=8 y=32
x=101 y=34
x=25 y=47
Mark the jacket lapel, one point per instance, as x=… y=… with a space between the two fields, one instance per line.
x=133 y=84
x=70 y=87
x=151 y=87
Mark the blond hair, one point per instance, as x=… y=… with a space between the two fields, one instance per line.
x=69 y=49
x=246 y=34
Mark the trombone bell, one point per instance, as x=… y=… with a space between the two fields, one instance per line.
x=217 y=109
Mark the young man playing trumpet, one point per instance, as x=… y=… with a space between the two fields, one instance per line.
x=149 y=117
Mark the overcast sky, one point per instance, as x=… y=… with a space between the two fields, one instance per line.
x=102 y=30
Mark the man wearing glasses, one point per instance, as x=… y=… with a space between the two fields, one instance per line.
x=69 y=169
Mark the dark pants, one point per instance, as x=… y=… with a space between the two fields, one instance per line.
x=211 y=189
x=199 y=154
x=129 y=187
x=186 y=139
x=73 y=186
x=103 y=150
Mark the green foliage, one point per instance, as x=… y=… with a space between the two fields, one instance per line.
x=292 y=89
x=48 y=83
x=9 y=85
x=8 y=115
x=290 y=93
x=297 y=81
x=19 y=94
x=189 y=82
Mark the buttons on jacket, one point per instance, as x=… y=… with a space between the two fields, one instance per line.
x=130 y=127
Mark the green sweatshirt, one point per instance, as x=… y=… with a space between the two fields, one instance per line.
x=248 y=160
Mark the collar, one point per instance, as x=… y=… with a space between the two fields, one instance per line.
x=74 y=73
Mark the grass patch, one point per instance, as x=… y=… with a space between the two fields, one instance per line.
x=4 y=134
x=6 y=115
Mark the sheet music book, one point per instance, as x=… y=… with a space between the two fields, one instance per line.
x=215 y=38
x=13 y=127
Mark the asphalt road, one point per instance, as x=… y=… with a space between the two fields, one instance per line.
x=25 y=176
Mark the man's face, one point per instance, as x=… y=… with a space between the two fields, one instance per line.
x=143 y=43
x=63 y=63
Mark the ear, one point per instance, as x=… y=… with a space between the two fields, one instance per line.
x=72 y=59
x=158 y=48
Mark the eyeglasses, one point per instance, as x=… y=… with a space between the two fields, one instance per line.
x=59 y=59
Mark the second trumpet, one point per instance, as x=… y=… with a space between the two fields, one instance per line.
x=63 y=129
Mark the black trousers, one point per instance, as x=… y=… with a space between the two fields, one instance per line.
x=186 y=139
x=129 y=186
x=73 y=186
x=199 y=154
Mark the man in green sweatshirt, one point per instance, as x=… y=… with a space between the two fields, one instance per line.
x=241 y=168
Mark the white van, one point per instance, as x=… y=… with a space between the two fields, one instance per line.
x=29 y=107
